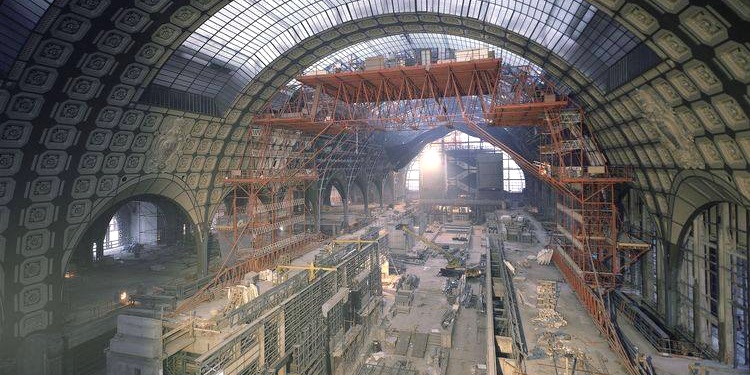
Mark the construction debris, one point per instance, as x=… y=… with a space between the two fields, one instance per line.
x=544 y=257
x=557 y=345
x=546 y=297
x=546 y=302
x=449 y=316
x=552 y=343
x=549 y=318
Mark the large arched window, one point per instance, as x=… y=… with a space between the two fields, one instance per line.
x=513 y=179
x=412 y=175
x=712 y=282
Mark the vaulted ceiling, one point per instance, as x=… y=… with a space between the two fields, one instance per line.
x=101 y=100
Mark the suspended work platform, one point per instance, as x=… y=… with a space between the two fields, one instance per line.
x=389 y=99
x=440 y=80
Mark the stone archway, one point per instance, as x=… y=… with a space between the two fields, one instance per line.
x=693 y=192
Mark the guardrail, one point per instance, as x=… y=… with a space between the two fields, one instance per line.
x=661 y=340
x=90 y=312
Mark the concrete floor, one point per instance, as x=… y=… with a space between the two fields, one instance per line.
x=427 y=309
x=583 y=334
x=672 y=365
x=95 y=291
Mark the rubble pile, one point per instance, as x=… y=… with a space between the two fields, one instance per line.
x=546 y=303
x=549 y=318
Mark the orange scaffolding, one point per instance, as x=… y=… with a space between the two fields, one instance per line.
x=267 y=222
x=392 y=99
x=474 y=92
x=266 y=211
x=484 y=91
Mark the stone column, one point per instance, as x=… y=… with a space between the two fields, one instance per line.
x=201 y=244
x=699 y=286
x=726 y=313
x=669 y=274
x=379 y=190
x=345 y=203
x=314 y=199
x=100 y=246
x=366 y=199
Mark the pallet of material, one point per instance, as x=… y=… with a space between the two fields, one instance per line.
x=546 y=295
x=504 y=344
x=474 y=54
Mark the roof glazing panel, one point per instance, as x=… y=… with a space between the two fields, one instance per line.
x=407 y=47
x=17 y=19
x=228 y=50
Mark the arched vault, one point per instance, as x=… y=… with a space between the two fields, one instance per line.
x=83 y=123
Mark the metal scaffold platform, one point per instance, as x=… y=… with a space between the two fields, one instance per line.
x=264 y=220
x=293 y=324
x=482 y=94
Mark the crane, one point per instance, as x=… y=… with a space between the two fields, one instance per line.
x=453 y=261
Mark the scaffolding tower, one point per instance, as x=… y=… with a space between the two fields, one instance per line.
x=484 y=93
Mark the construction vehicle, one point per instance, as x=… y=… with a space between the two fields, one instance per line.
x=453 y=261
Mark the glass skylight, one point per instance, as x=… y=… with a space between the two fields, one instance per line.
x=406 y=46
x=228 y=50
x=17 y=19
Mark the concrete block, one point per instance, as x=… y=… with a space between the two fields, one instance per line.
x=135 y=346
x=119 y=364
x=137 y=326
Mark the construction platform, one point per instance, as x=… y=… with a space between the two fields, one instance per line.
x=559 y=332
x=316 y=311
x=427 y=330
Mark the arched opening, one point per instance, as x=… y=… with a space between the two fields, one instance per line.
x=640 y=227
x=712 y=282
x=373 y=190
x=333 y=209
x=335 y=198
x=141 y=243
x=461 y=167
x=142 y=247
